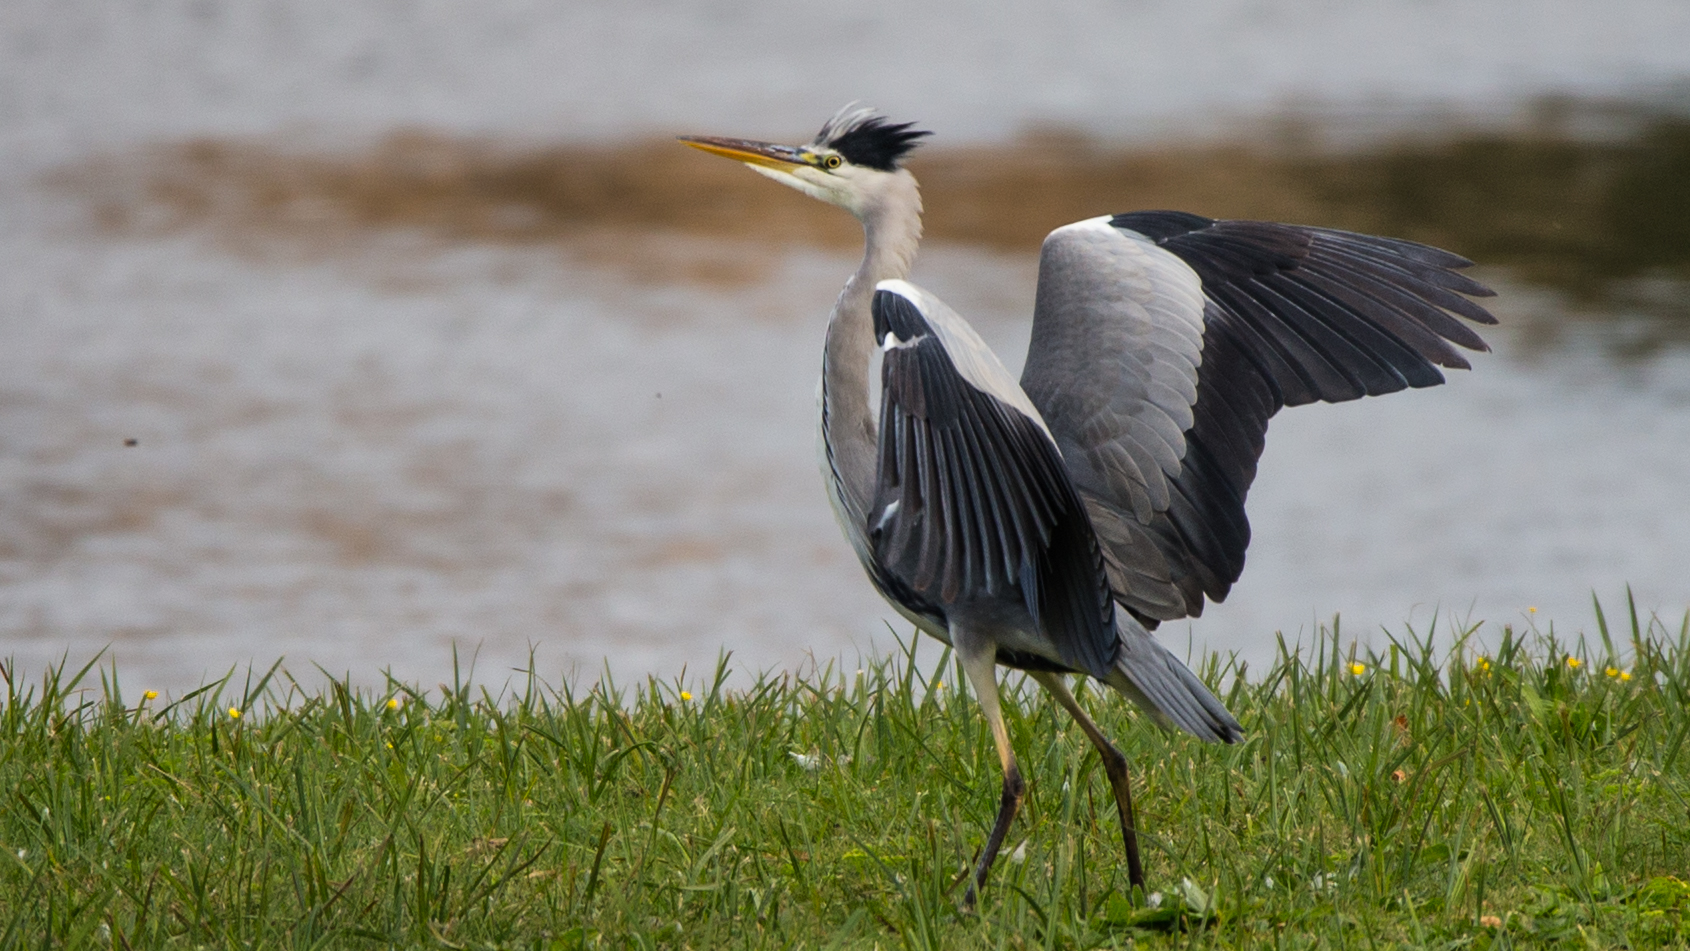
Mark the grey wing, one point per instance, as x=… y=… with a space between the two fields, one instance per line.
x=972 y=503
x=1282 y=315
x=1113 y=367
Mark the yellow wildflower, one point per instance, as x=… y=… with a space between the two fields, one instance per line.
x=234 y=713
x=685 y=695
x=392 y=703
x=1358 y=669
x=1531 y=610
x=151 y=695
x=1573 y=663
x=1612 y=671
x=1625 y=675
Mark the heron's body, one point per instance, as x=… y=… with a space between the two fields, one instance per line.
x=1049 y=523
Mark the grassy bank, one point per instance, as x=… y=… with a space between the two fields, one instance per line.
x=1535 y=793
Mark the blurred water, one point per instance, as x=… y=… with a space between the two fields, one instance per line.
x=86 y=73
x=361 y=451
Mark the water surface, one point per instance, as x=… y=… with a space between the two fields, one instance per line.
x=356 y=337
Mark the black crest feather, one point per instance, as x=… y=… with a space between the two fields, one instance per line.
x=868 y=139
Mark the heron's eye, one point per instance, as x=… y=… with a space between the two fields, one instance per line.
x=832 y=162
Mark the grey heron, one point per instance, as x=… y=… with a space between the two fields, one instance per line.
x=1050 y=524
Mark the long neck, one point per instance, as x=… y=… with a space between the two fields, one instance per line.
x=892 y=229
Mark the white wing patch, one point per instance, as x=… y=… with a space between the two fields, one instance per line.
x=973 y=359
x=887 y=514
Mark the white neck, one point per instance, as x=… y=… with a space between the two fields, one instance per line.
x=891 y=217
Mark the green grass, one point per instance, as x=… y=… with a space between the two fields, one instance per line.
x=1455 y=800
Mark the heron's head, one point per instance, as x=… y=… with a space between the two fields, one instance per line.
x=853 y=162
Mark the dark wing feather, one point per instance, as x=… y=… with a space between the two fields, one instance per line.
x=1293 y=315
x=973 y=503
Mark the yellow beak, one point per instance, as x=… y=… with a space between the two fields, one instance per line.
x=766 y=154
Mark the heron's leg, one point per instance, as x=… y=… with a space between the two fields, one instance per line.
x=1114 y=766
x=979 y=662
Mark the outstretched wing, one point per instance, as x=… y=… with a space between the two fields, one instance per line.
x=1152 y=322
x=972 y=503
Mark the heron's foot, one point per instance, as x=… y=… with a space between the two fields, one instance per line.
x=1013 y=788
x=1115 y=767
